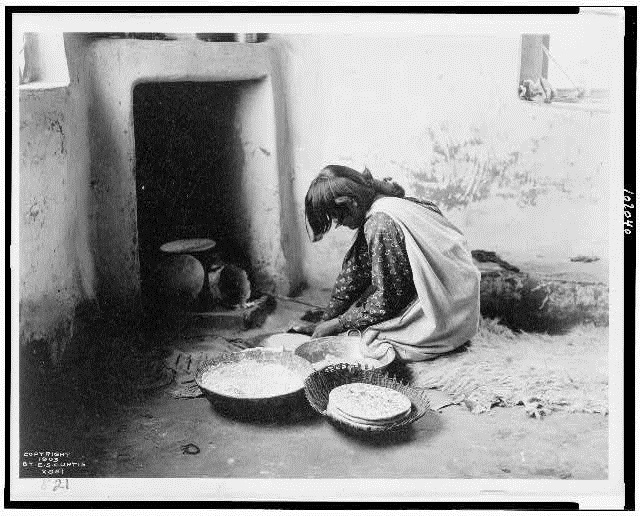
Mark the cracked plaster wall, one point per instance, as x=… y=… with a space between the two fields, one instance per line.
x=528 y=181
x=56 y=273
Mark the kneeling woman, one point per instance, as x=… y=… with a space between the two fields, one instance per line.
x=408 y=280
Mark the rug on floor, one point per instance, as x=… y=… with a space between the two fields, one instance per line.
x=185 y=364
x=541 y=372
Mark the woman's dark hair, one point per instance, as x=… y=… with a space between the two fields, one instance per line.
x=335 y=181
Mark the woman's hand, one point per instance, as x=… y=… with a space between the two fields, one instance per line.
x=327 y=328
x=303 y=328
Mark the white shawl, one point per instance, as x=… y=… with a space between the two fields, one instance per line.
x=446 y=312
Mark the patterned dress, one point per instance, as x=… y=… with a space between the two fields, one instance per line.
x=376 y=282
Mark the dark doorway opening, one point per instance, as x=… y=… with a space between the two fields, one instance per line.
x=189 y=160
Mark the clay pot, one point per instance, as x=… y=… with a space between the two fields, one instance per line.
x=230 y=286
x=180 y=278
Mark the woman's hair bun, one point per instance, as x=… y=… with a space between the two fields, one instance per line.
x=384 y=187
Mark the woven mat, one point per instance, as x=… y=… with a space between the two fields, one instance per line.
x=541 y=372
x=185 y=365
x=500 y=368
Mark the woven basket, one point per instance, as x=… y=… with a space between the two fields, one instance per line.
x=286 y=404
x=345 y=347
x=319 y=384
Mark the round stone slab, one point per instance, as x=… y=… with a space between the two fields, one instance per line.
x=192 y=245
x=365 y=402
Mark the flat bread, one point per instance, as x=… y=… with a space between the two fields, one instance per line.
x=368 y=404
x=337 y=414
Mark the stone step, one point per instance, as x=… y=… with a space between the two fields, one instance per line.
x=251 y=316
x=534 y=303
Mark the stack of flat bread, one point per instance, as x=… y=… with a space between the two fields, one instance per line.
x=368 y=406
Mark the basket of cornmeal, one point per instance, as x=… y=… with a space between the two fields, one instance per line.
x=254 y=382
x=362 y=400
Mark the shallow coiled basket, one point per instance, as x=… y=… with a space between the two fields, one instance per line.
x=319 y=384
x=287 y=404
